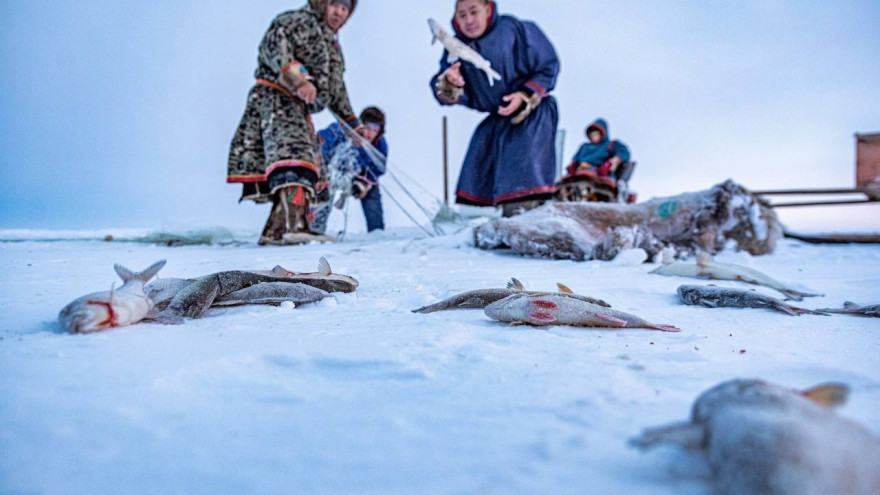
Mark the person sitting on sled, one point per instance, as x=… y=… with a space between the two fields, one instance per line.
x=354 y=167
x=511 y=161
x=601 y=156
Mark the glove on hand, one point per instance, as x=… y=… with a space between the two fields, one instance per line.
x=360 y=186
x=604 y=169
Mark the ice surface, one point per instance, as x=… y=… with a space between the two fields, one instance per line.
x=359 y=395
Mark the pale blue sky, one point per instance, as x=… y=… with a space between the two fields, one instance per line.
x=120 y=114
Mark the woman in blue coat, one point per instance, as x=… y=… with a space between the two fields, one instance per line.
x=512 y=155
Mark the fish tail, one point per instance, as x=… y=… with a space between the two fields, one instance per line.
x=145 y=275
x=829 y=394
x=797 y=295
x=785 y=308
x=430 y=308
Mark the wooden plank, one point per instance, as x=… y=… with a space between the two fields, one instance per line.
x=836 y=238
x=868 y=160
x=821 y=203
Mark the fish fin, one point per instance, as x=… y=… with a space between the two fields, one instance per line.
x=709 y=304
x=324 y=267
x=828 y=394
x=851 y=305
x=544 y=304
x=686 y=434
x=515 y=284
x=665 y=328
x=279 y=271
x=169 y=319
x=564 y=288
x=542 y=316
x=785 y=308
x=617 y=322
x=704 y=259
x=125 y=274
x=451 y=58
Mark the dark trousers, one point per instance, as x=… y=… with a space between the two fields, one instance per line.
x=372 y=205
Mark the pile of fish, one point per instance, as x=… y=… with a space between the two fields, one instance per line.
x=761 y=438
x=518 y=306
x=171 y=300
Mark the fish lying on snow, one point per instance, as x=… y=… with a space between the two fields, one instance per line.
x=114 y=308
x=706 y=267
x=273 y=293
x=477 y=299
x=721 y=297
x=458 y=50
x=560 y=309
x=191 y=298
x=851 y=308
x=760 y=438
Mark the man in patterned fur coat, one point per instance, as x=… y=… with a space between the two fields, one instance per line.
x=274 y=153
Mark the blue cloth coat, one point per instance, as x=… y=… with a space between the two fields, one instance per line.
x=507 y=162
x=599 y=153
x=331 y=138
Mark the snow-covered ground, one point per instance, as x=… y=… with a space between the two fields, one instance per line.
x=358 y=395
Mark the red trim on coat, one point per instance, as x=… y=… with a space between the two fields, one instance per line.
x=474 y=199
x=536 y=88
x=270 y=169
x=527 y=192
x=508 y=196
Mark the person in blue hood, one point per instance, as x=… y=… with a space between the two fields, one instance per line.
x=600 y=156
x=350 y=161
x=512 y=156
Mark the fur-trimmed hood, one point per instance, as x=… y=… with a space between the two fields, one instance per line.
x=320 y=8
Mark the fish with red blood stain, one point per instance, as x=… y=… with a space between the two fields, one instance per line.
x=558 y=309
x=114 y=308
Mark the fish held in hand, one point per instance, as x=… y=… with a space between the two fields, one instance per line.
x=560 y=309
x=706 y=267
x=721 y=297
x=114 y=308
x=458 y=50
x=763 y=438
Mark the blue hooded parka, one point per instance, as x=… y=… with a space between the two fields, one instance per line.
x=599 y=153
x=507 y=162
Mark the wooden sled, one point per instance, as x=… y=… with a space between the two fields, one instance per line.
x=587 y=186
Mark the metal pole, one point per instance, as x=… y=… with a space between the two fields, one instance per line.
x=445 y=163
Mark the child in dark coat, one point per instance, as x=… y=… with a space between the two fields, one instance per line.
x=600 y=156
